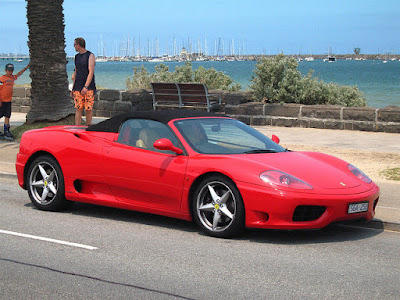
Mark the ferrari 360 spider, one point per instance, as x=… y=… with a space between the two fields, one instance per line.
x=192 y=165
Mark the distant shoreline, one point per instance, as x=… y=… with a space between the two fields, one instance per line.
x=247 y=57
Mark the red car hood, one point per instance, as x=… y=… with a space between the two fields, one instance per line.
x=319 y=170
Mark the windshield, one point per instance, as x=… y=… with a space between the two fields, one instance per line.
x=225 y=136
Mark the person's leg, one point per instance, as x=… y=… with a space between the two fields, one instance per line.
x=89 y=114
x=7 y=134
x=7 y=114
x=89 y=101
x=1 y=115
x=78 y=116
x=79 y=104
x=7 y=126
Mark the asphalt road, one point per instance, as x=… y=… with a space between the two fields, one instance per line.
x=142 y=256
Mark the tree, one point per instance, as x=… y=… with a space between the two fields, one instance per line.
x=214 y=80
x=357 y=51
x=49 y=87
x=270 y=76
x=277 y=80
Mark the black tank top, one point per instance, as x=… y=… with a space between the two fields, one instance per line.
x=82 y=72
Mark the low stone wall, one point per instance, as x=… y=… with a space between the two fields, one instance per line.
x=318 y=116
x=113 y=102
x=21 y=101
x=109 y=103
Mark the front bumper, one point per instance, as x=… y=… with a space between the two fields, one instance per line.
x=20 y=168
x=275 y=209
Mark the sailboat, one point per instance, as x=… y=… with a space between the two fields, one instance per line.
x=156 y=60
x=309 y=58
x=101 y=57
x=330 y=58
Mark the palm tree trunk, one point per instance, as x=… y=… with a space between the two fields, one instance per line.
x=50 y=98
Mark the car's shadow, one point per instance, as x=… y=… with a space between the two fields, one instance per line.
x=122 y=215
x=334 y=233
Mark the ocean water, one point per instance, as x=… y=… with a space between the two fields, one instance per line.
x=380 y=82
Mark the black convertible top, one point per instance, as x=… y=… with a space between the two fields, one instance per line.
x=164 y=116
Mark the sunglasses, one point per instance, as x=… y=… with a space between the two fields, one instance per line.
x=10 y=69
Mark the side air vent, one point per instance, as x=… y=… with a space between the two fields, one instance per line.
x=83 y=137
x=78 y=185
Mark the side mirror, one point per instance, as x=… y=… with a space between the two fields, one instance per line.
x=166 y=144
x=216 y=127
x=275 y=139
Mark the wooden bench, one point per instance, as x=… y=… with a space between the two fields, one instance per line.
x=183 y=95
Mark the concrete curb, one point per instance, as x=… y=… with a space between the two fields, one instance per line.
x=374 y=223
x=8 y=175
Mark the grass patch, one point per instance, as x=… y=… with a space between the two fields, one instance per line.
x=18 y=131
x=392 y=174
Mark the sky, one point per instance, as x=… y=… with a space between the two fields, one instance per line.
x=216 y=26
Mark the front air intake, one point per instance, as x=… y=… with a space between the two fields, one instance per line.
x=304 y=213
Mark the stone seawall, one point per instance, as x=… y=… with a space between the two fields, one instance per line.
x=109 y=103
x=319 y=116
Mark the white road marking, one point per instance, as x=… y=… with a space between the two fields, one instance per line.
x=48 y=240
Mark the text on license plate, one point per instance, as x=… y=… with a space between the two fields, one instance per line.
x=357 y=207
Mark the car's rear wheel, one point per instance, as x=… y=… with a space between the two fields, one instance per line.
x=218 y=207
x=45 y=183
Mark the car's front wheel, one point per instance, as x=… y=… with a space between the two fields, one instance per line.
x=218 y=207
x=45 y=183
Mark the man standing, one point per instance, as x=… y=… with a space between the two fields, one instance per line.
x=6 y=93
x=84 y=87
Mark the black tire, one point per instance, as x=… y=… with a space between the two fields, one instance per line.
x=45 y=184
x=218 y=207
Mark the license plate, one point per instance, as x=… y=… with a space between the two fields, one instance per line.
x=357 y=207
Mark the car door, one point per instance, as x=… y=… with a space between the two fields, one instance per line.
x=141 y=175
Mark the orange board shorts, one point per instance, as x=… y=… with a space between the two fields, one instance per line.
x=86 y=101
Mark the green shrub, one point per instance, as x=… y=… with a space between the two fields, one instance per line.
x=214 y=80
x=277 y=80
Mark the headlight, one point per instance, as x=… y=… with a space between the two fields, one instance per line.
x=359 y=174
x=282 y=179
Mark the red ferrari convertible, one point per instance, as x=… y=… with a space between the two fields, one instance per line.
x=192 y=165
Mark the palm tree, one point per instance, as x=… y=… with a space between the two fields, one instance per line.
x=50 y=98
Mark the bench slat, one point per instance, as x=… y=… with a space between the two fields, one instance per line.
x=182 y=95
x=161 y=85
x=197 y=98
x=174 y=98
x=186 y=87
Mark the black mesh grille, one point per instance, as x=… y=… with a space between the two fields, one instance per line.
x=304 y=213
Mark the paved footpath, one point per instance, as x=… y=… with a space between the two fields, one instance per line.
x=388 y=210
